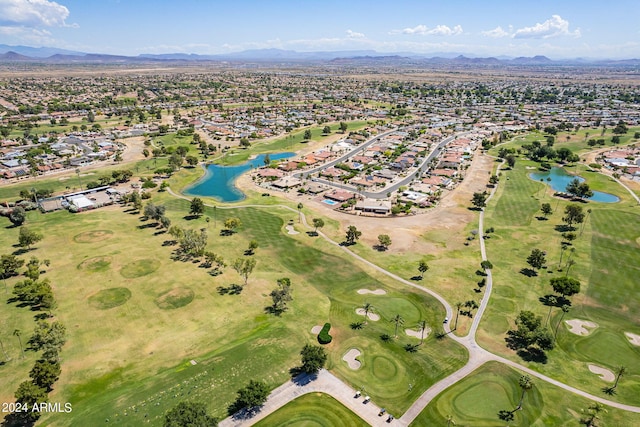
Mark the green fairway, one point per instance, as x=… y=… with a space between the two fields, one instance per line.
x=477 y=399
x=313 y=409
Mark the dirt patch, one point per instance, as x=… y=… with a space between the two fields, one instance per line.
x=374 y=292
x=417 y=334
x=291 y=230
x=370 y=315
x=580 y=327
x=350 y=357
x=95 y=264
x=316 y=329
x=93 y=236
x=633 y=338
x=174 y=298
x=603 y=373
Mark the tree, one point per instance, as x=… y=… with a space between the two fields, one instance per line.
x=153 y=211
x=17 y=216
x=458 y=306
x=593 y=414
x=353 y=234
x=511 y=160
x=551 y=301
x=565 y=286
x=231 y=224
x=175 y=161
x=343 y=127
x=253 y=245
x=479 y=200
x=525 y=384
x=307 y=134
x=300 y=206
x=28 y=395
x=281 y=295
x=9 y=265
x=536 y=259
x=529 y=336
x=45 y=373
x=313 y=358
x=398 y=320
x=423 y=267
x=384 y=241
x=546 y=209
x=267 y=159
x=620 y=371
x=367 y=308
x=565 y=309
x=244 y=142
x=18 y=334
x=191 y=160
x=326 y=130
x=573 y=215
x=422 y=325
x=165 y=222
x=579 y=189
x=27 y=237
x=251 y=396
x=317 y=223
x=197 y=207
x=244 y=267
x=189 y=414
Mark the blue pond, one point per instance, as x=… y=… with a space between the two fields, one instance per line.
x=560 y=179
x=218 y=182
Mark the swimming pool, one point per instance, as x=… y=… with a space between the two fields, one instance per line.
x=330 y=202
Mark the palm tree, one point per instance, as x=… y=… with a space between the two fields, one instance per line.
x=398 y=320
x=570 y=264
x=525 y=384
x=368 y=308
x=458 y=306
x=585 y=221
x=17 y=333
x=450 y=420
x=551 y=301
x=4 y=279
x=563 y=248
x=422 y=325
x=565 y=310
x=593 y=410
x=300 y=206
x=620 y=371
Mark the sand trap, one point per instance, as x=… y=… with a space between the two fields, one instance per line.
x=350 y=358
x=316 y=329
x=374 y=292
x=633 y=338
x=579 y=327
x=291 y=230
x=603 y=373
x=370 y=315
x=417 y=334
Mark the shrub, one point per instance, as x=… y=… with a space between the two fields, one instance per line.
x=323 y=336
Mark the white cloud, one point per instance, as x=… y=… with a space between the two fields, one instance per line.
x=354 y=35
x=423 y=30
x=32 y=13
x=30 y=35
x=553 y=27
x=496 y=33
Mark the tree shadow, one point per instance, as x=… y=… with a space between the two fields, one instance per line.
x=532 y=354
x=232 y=289
x=226 y=232
x=159 y=232
x=380 y=248
x=274 y=310
x=169 y=242
x=191 y=217
x=609 y=390
x=148 y=225
x=529 y=272
x=301 y=378
x=416 y=278
x=312 y=233
x=542 y=218
x=481 y=273
x=20 y=251
x=239 y=413
x=563 y=228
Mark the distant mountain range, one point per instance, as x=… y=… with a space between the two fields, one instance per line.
x=353 y=57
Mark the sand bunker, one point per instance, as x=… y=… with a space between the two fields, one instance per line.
x=350 y=358
x=374 y=292
x=370 y=315
x=291 y=230
x=603 y=373
x=316 y=329
x=633 y=338
x=579 y=327
x=417 y=334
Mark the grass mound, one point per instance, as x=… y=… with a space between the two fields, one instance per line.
x=93 y=236
x=174 y=298
x=109 y=298
x=139 y=268
x=95 y=264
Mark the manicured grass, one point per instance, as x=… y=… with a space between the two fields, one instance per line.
x=99 y=263
x=174 y=298
x=313 y=409
x=477 y=399
x=109 y=298
x=139 y=268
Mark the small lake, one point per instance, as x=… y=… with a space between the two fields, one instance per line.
x=219 y=181
x=559 y=179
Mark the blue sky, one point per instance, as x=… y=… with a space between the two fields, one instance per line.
x=557 y=29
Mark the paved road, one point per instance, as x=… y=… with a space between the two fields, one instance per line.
x=329 y=384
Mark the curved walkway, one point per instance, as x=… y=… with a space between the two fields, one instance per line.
x=327 y=383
